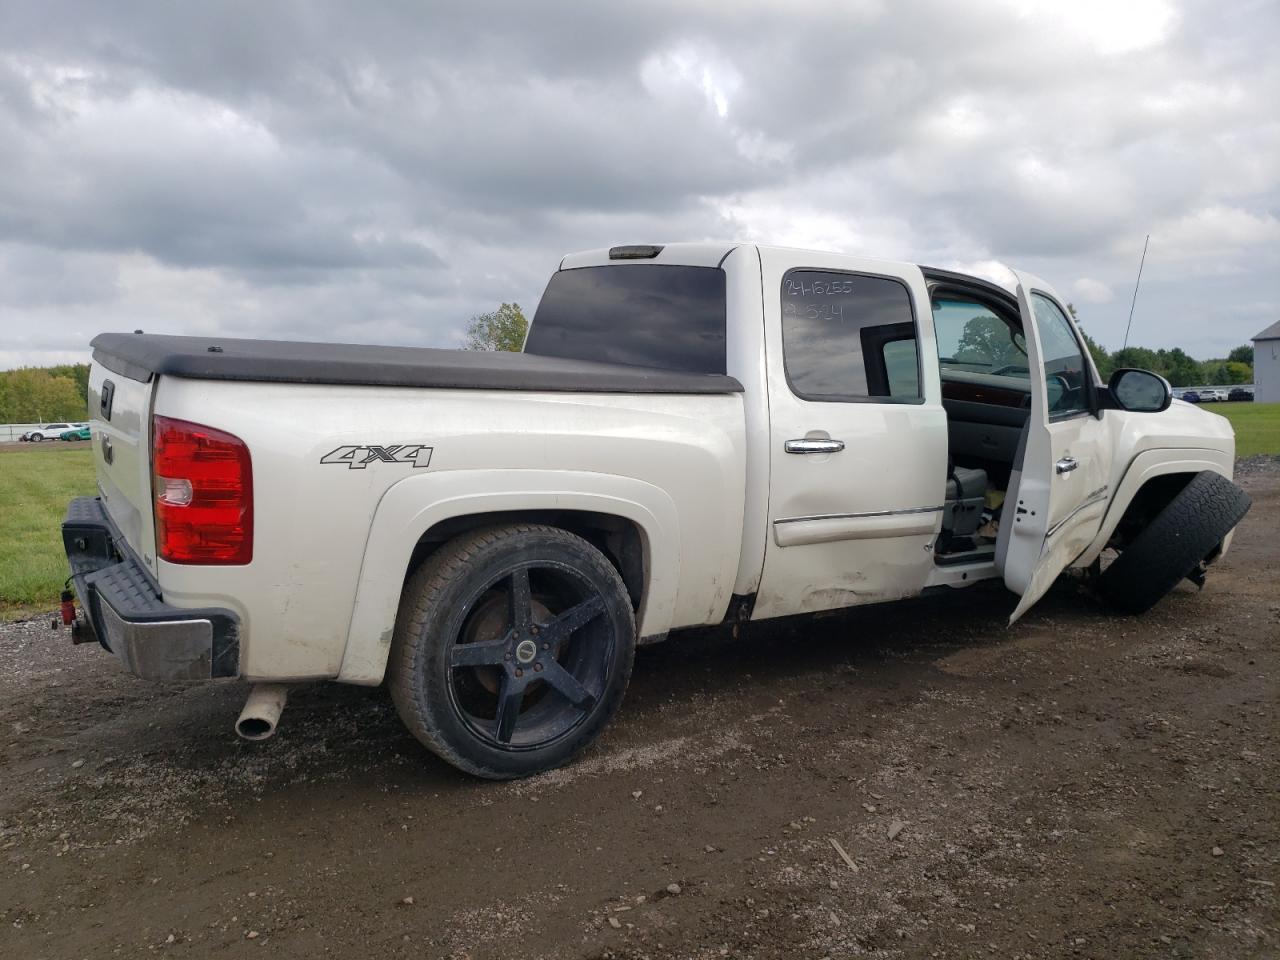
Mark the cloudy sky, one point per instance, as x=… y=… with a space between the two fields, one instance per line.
x=380 y=172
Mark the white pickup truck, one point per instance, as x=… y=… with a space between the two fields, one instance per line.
x=694 y=434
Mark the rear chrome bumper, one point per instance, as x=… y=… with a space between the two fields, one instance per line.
x=124 y=607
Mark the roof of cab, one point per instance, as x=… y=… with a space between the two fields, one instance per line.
x=713 y=254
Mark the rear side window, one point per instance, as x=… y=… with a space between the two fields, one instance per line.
x=849 y=337
x=650 y=315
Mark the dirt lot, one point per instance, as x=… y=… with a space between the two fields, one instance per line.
x=1082 y=785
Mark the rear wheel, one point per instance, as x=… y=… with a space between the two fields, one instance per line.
x=1173 y=546
x=512 y=650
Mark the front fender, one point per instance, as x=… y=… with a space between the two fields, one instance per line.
x=414 y=505
x=1143 y=467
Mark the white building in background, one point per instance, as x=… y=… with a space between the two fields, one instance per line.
x=1266 y=365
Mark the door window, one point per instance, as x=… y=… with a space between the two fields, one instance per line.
x=1065 y=371
x=849 y=337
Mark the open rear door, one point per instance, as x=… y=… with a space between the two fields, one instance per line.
x=1058 y=491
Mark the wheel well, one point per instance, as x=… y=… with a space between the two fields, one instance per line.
x=1152 y=497
x=618 y=538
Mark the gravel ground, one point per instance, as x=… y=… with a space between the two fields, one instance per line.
x=913 y=780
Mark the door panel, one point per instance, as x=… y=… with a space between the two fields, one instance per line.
x=858 y=445
x=1059 y=494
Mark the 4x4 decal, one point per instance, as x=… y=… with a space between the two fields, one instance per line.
x=357 y=458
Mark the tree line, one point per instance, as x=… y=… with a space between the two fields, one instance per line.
x=44 y=394
x=1176 y=365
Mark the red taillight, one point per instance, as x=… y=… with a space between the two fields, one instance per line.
x=202 y=482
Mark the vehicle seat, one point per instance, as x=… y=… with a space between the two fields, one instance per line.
x=966 y=492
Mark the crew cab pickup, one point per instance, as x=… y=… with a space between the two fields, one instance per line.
x=693 y=434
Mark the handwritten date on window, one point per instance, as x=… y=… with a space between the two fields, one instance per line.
x=808 y=299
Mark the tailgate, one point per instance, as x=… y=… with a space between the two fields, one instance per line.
x=121 y=411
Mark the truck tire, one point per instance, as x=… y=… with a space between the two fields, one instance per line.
x=1172 y=546
x=513 y=647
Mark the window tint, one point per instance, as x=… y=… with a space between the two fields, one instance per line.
x=973 y=339
x=848 y=337
x=650 y=315
x=1066 y=382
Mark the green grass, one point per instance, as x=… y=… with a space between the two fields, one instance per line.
x=35 y=487
x=1257 y=426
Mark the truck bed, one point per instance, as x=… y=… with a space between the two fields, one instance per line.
x=142 y=356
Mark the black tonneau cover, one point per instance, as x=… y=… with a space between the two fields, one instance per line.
x=141 y=356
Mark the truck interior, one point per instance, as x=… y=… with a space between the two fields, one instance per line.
x=986 y=392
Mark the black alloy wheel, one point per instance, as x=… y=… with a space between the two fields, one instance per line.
x=513 y=647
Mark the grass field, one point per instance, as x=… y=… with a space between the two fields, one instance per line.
x=35 y=486
x=1257 y=426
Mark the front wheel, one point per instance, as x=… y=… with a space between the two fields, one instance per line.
x=513 y=647
x=1175 y=544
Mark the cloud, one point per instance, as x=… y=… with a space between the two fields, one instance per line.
x=309 y=171
x=1092 y=291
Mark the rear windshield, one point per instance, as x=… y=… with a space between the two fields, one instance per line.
x=650 y=315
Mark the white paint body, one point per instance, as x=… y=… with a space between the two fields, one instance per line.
x=722 y=510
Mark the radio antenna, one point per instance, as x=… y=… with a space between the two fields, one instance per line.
x=1134 y=303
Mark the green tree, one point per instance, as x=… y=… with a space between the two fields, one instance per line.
x=1226 y=372
x=1139 y=357
x=31 y=394
x=987 y=343
x=79 y=372
x=1179 y=368
x=1239 y=372
x=1101 y=358
x=1243 y=354
x=504 y=329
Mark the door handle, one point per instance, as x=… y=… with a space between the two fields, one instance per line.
x=813 y=446
x=1066 y=464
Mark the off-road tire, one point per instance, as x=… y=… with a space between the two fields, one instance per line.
x=433 y=609
x=1172 y=546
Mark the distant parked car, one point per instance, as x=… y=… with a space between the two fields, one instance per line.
x=1212 y=394
x=1191 y=396
x=48 y=432
x=75 y=433
x=1240 y=393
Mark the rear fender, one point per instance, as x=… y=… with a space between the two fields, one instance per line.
x=414 y=505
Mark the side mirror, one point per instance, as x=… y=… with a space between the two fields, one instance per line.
x=1140 y=391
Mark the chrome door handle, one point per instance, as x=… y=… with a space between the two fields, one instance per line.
x=1066 y=464
x=813 y=446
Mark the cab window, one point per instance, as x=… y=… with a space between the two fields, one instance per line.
x=849 y=337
